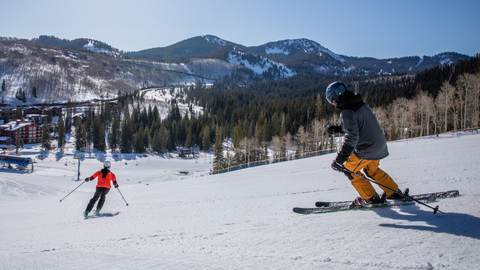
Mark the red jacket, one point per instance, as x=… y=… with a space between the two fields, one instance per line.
x=104 y=182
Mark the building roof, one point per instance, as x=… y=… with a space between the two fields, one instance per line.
x=14 y=126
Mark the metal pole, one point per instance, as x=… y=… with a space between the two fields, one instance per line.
x=78 y=177
x=72 y=191
x=122 y=195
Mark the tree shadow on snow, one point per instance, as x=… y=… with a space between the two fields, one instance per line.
x=452 y=223
x=59 y=155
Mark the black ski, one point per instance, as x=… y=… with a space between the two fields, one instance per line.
x=346 y=207
x=325 y=207
x=98 y=215
x=427 y=197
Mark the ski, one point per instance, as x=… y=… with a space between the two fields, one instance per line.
x=98 y=215
x=335 y=207
x=325 y=207
x=427 y=197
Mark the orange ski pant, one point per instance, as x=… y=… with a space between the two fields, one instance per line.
x=364 y=187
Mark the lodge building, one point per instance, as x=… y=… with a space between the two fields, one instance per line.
x=28 y=132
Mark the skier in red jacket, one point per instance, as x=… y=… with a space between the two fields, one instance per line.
x=105 y=176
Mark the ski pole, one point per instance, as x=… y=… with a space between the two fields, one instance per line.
x=72 y=191
x=435 y=209
x=122 y=195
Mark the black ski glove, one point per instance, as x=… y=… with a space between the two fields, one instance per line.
x=334 y=129
x=87 y=179
x=337 y=166
x=342 y=156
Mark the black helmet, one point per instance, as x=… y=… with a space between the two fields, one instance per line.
x=335 y=90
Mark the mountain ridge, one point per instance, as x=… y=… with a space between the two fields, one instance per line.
x=302 y=56
x=85 y=69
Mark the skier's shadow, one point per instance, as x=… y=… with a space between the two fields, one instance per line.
x=452 y=223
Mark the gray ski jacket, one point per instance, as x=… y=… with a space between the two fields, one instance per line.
x=363 y=133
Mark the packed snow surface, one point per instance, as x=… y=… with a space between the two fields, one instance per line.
x=241 y=219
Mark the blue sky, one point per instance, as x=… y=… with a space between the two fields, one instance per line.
x=368 y=28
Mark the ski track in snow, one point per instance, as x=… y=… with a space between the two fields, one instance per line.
x=243 y=219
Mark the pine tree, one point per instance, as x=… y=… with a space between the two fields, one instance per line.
x=102 y=145
x=218 y=152
x=61 y=134
x=156 y=143
x=98 y=132
x=138 y=141
x=18 y=142
x=89 y=128
x=155 y=114
x=69 y=120
x=283 y=147
x=126 y=135
x=206 y=138
x=80 y=136
x=188 y=142
x=114 y=135
x=46 y=137
x=146 y=137
x=159 y=140
x=18 y=94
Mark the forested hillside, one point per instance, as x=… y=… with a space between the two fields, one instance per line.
x=287 y=114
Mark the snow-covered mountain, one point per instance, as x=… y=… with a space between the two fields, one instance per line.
x=80 y=44
x=59 y=74
x=293 y=47
x=261 y=66
x=241 y=219
x=301 y=56
x=83 y=69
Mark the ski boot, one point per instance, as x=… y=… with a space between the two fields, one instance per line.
x=396 y=195
x=85 y=214
x=376 y=200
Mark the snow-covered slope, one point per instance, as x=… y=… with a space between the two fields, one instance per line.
x=242 y=219
x=59 y=75
x=96 y=46
x=261 y=66
x=292 y=46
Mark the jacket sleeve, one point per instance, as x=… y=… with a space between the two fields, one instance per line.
x=350 y=128
x=113 y=179
x=95 y=175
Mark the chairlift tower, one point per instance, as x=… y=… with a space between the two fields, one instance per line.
x=80 y=157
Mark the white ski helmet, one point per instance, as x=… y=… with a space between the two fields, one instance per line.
x=107 y=164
